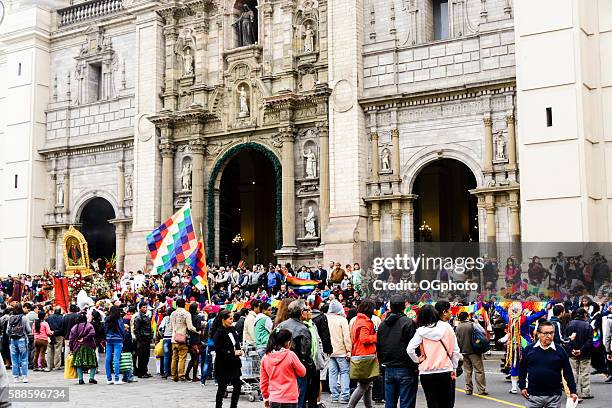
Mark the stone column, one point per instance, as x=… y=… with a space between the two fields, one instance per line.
x=52 y=237
x=53 y=195
x=375 y=212
x=323 y=177
x=395 y=156
x=167 y=193
x=66 y=193
x=515 y=222
x=491 y=231
x=511 y=143
x=375 y=156
x=288 y=182
x=120 y=188
x=120 y=243
x=396 y=229
x=197 y=183
x=488 y=149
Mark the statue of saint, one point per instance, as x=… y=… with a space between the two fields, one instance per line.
x=386 y=160
x=60 y=194
x=244 y=105
x=311 y=163
x=309 y=223
x=128 y=187
x=187 y=62
x=500 y=144
x=74 y=252
x=309 y=39
x=245 y=26
x=186 y=176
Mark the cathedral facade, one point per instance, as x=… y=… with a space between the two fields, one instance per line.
x=299 y=131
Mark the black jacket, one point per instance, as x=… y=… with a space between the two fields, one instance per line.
x=55 y=323
x=583 y=340
x=142 y=328
x=227 y=364
x=70 y=320
x=320 y=321
x=394 y=334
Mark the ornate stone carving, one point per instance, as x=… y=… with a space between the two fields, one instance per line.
x=245 y=27
x=243 y=103
x=500 y=145
x=385 y=160
x=128 y=187
x=310 y=223
x=311 y=163
x=186 y=175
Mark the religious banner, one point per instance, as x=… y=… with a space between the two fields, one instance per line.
x=61 y=297
x=75 y=252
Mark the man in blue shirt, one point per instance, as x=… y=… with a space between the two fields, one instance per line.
x=543 y=365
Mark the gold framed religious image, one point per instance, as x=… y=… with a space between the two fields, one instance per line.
x=75 y=251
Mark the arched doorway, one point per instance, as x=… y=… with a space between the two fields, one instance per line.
x=249 y=205
x=98 y=231
x=445 y=211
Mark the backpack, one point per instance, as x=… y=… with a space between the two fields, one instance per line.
x=271 y=279
x=480 y=343
x=15 y=327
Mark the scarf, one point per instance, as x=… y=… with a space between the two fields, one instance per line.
x=314 y=335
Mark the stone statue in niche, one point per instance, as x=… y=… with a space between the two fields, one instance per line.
x=500 y=144
x=188 y=62
x=311 y=163
x=244 y=104
x=60 y=194
x=128 y=187
x=309 y=38
x=310 y=223
x=186 y=176
x=386 y=160
x=245 y=26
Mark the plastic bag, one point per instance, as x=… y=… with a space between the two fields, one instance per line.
x=570 y=403
x=159 y=349
x=70 y=372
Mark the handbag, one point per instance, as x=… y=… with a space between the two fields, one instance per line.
x=364 y=367
x=159 y=349
x=459 y=369
x=180 y=338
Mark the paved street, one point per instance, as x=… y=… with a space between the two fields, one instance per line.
x=156 y=392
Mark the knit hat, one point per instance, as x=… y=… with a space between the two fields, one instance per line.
x=336 y=308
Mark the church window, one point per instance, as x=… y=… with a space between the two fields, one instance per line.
x=440 y=19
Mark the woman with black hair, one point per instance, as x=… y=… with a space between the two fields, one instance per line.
x=280 y=368
x=115 y=331
x=194 y=342
x=227 y=360
x=439 y=357
x=41 y=332
x=364 y=363
x=82 y=343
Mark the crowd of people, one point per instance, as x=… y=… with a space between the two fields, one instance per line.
x=336 y=337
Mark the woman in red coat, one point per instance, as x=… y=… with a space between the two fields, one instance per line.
x=364 y=364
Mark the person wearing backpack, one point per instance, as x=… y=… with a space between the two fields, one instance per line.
x=18 y=329
x=472 y=353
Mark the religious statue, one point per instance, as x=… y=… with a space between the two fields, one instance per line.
x=128 y=187
x=74 y=252
x=245 y=26
x=309 y=39
x=244 y=105
x=309 y=223
x=60 y=194
x=386 y=160
x=500 y=143
x=311 y=163
x=186 y=176
x=187 y=62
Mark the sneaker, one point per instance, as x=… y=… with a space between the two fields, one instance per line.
x=468 y=392
x=119 y=382
x=25 y=379
x=109 y=382
x=93 y=381
x=46 y=370
x=16 y=380
x=81 y=382
x=608 y=380
x=513 y=391
x=36 y=369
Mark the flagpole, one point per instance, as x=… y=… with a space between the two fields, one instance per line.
x=205 y=266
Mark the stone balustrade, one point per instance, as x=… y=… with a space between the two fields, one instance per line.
x=88 y=10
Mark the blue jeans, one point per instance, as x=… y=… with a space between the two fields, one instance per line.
x=19 y=356
x=206 y=365
x=400 y=383
x=167 y=347
x=339 y=366
x=128 y=376
x=113 y=354
x=303 y=387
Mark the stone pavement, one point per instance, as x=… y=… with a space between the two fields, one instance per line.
x=155 y=392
